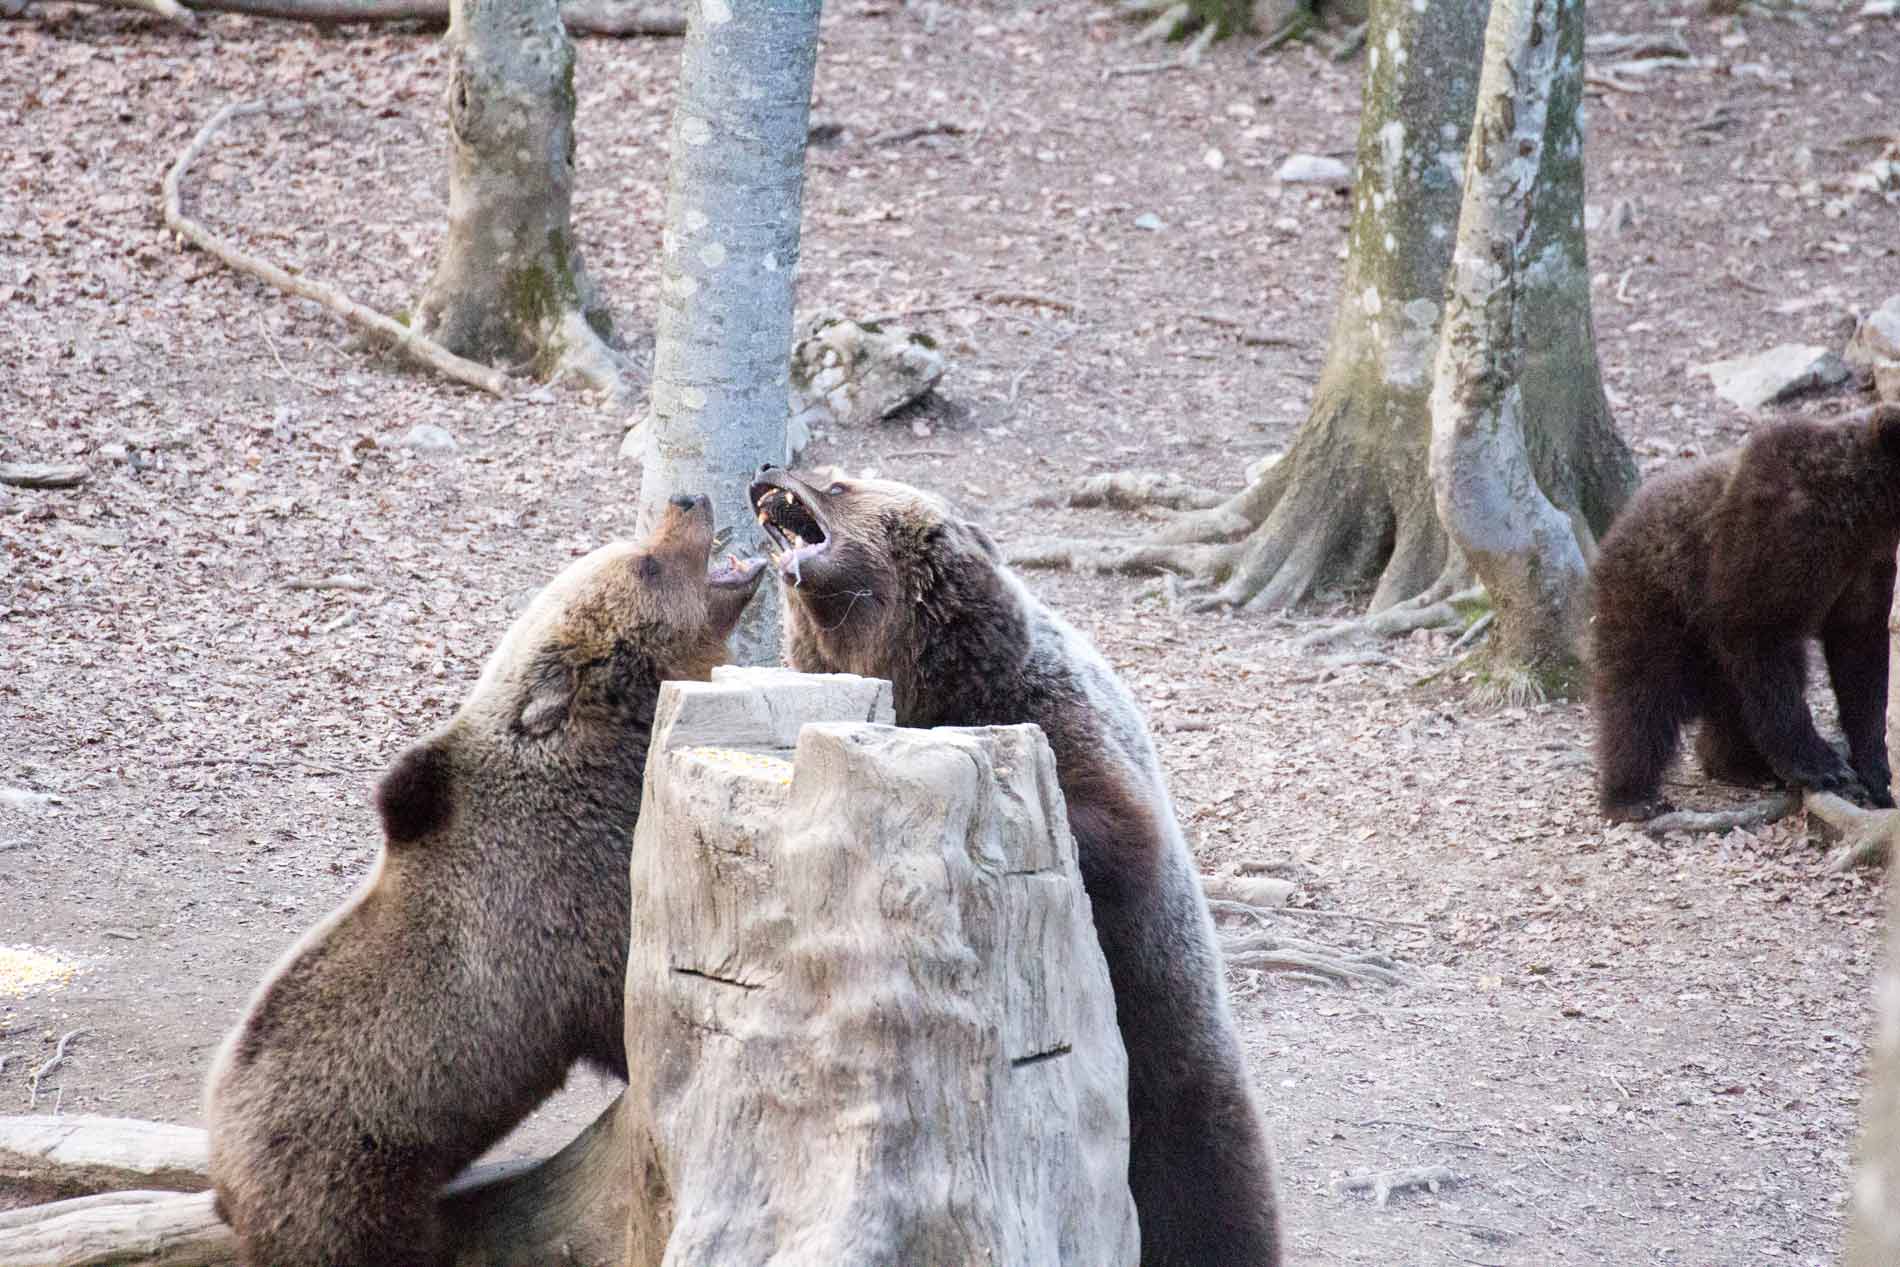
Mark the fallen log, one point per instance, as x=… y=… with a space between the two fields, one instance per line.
x=582 y=17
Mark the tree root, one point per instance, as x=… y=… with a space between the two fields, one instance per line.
x=1383 y=1183
x=1110 y=556
x=580 y=16
x=411 y=343
x=1267 y=953
x=1866 y=835
x=1427 y=611
x=1136 y=490
x=587 y=356
x=1753 y=814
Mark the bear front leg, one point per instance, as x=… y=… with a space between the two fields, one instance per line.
x=1767 y=670
x=1854 y=639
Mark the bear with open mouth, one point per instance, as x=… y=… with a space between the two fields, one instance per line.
x=883 y=580
x=487 y=950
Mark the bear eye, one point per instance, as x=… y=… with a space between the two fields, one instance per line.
x=649 y=567
x=836 y=490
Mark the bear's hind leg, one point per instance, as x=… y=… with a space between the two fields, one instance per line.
x=1854 y=638
x=1768 y=670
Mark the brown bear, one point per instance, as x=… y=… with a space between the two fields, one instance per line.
x=1706 y=591
x=487 y=950
x=882 y=580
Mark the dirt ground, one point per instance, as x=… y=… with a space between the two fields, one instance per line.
x=1630 y=1051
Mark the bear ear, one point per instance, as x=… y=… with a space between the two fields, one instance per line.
x=551 y=690
x=982 y=539
x=416 y=794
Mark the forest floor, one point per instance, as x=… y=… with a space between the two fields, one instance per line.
x=1629 y=1050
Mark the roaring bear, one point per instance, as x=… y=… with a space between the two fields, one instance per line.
x=881 y=579
x=1706 y=591
x=487 y=951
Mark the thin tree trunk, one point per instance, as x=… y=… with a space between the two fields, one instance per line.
x=509 y=287
x=1351 y=504
x=1873 y=1236
x=1526 y=550
x=722 y=365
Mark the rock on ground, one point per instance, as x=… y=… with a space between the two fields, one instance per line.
x=1781 y=373
x=853 y=373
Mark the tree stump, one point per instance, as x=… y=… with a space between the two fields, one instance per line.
x=867 y=1017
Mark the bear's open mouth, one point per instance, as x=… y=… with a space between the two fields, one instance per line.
x=733 y=572
x=793 y=527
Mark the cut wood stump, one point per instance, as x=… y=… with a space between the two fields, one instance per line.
x=867 y=1017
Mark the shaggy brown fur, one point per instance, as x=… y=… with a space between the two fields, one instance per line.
x=1706 y=591
x=880 y=579
x=487 y=951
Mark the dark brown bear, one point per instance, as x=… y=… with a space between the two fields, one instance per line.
x=882 y=580
x=487 y=951
x=1706 y=591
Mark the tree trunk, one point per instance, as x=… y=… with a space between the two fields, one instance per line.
x=1873 y=1236
x=1351 y=504
x=509 y=287
x=868 y=1021
x=721 y=391
x=1527 y=551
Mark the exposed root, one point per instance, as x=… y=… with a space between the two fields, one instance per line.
x=1111 y=556
x=1270 y=952
x=1866 y=835
x=586 y=356
x=1751 y=815
x=1137 y=490
x=410 y=342
x=1171 y=22
x=1383 y=1183
x=1423 y=612
x=1191 y=54
x=59 y=1058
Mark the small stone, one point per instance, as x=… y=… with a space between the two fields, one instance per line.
x=428 y=439
x=851 y=373
x=1622 y=216
x=1151 y=222
x=1781 y=373
x=1877 y=339
x=1214 y=159
x=1880 y=9
x=1315 y=169
x=113 y=452
x=43 y=475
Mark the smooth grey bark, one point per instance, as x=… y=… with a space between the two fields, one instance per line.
x=1514 y=250
x=868 y=1020
x=722 y=364
x=1351 y=503
x=509 y=287
x=1873 y=1235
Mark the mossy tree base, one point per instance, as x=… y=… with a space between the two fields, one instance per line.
x=510 y=289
